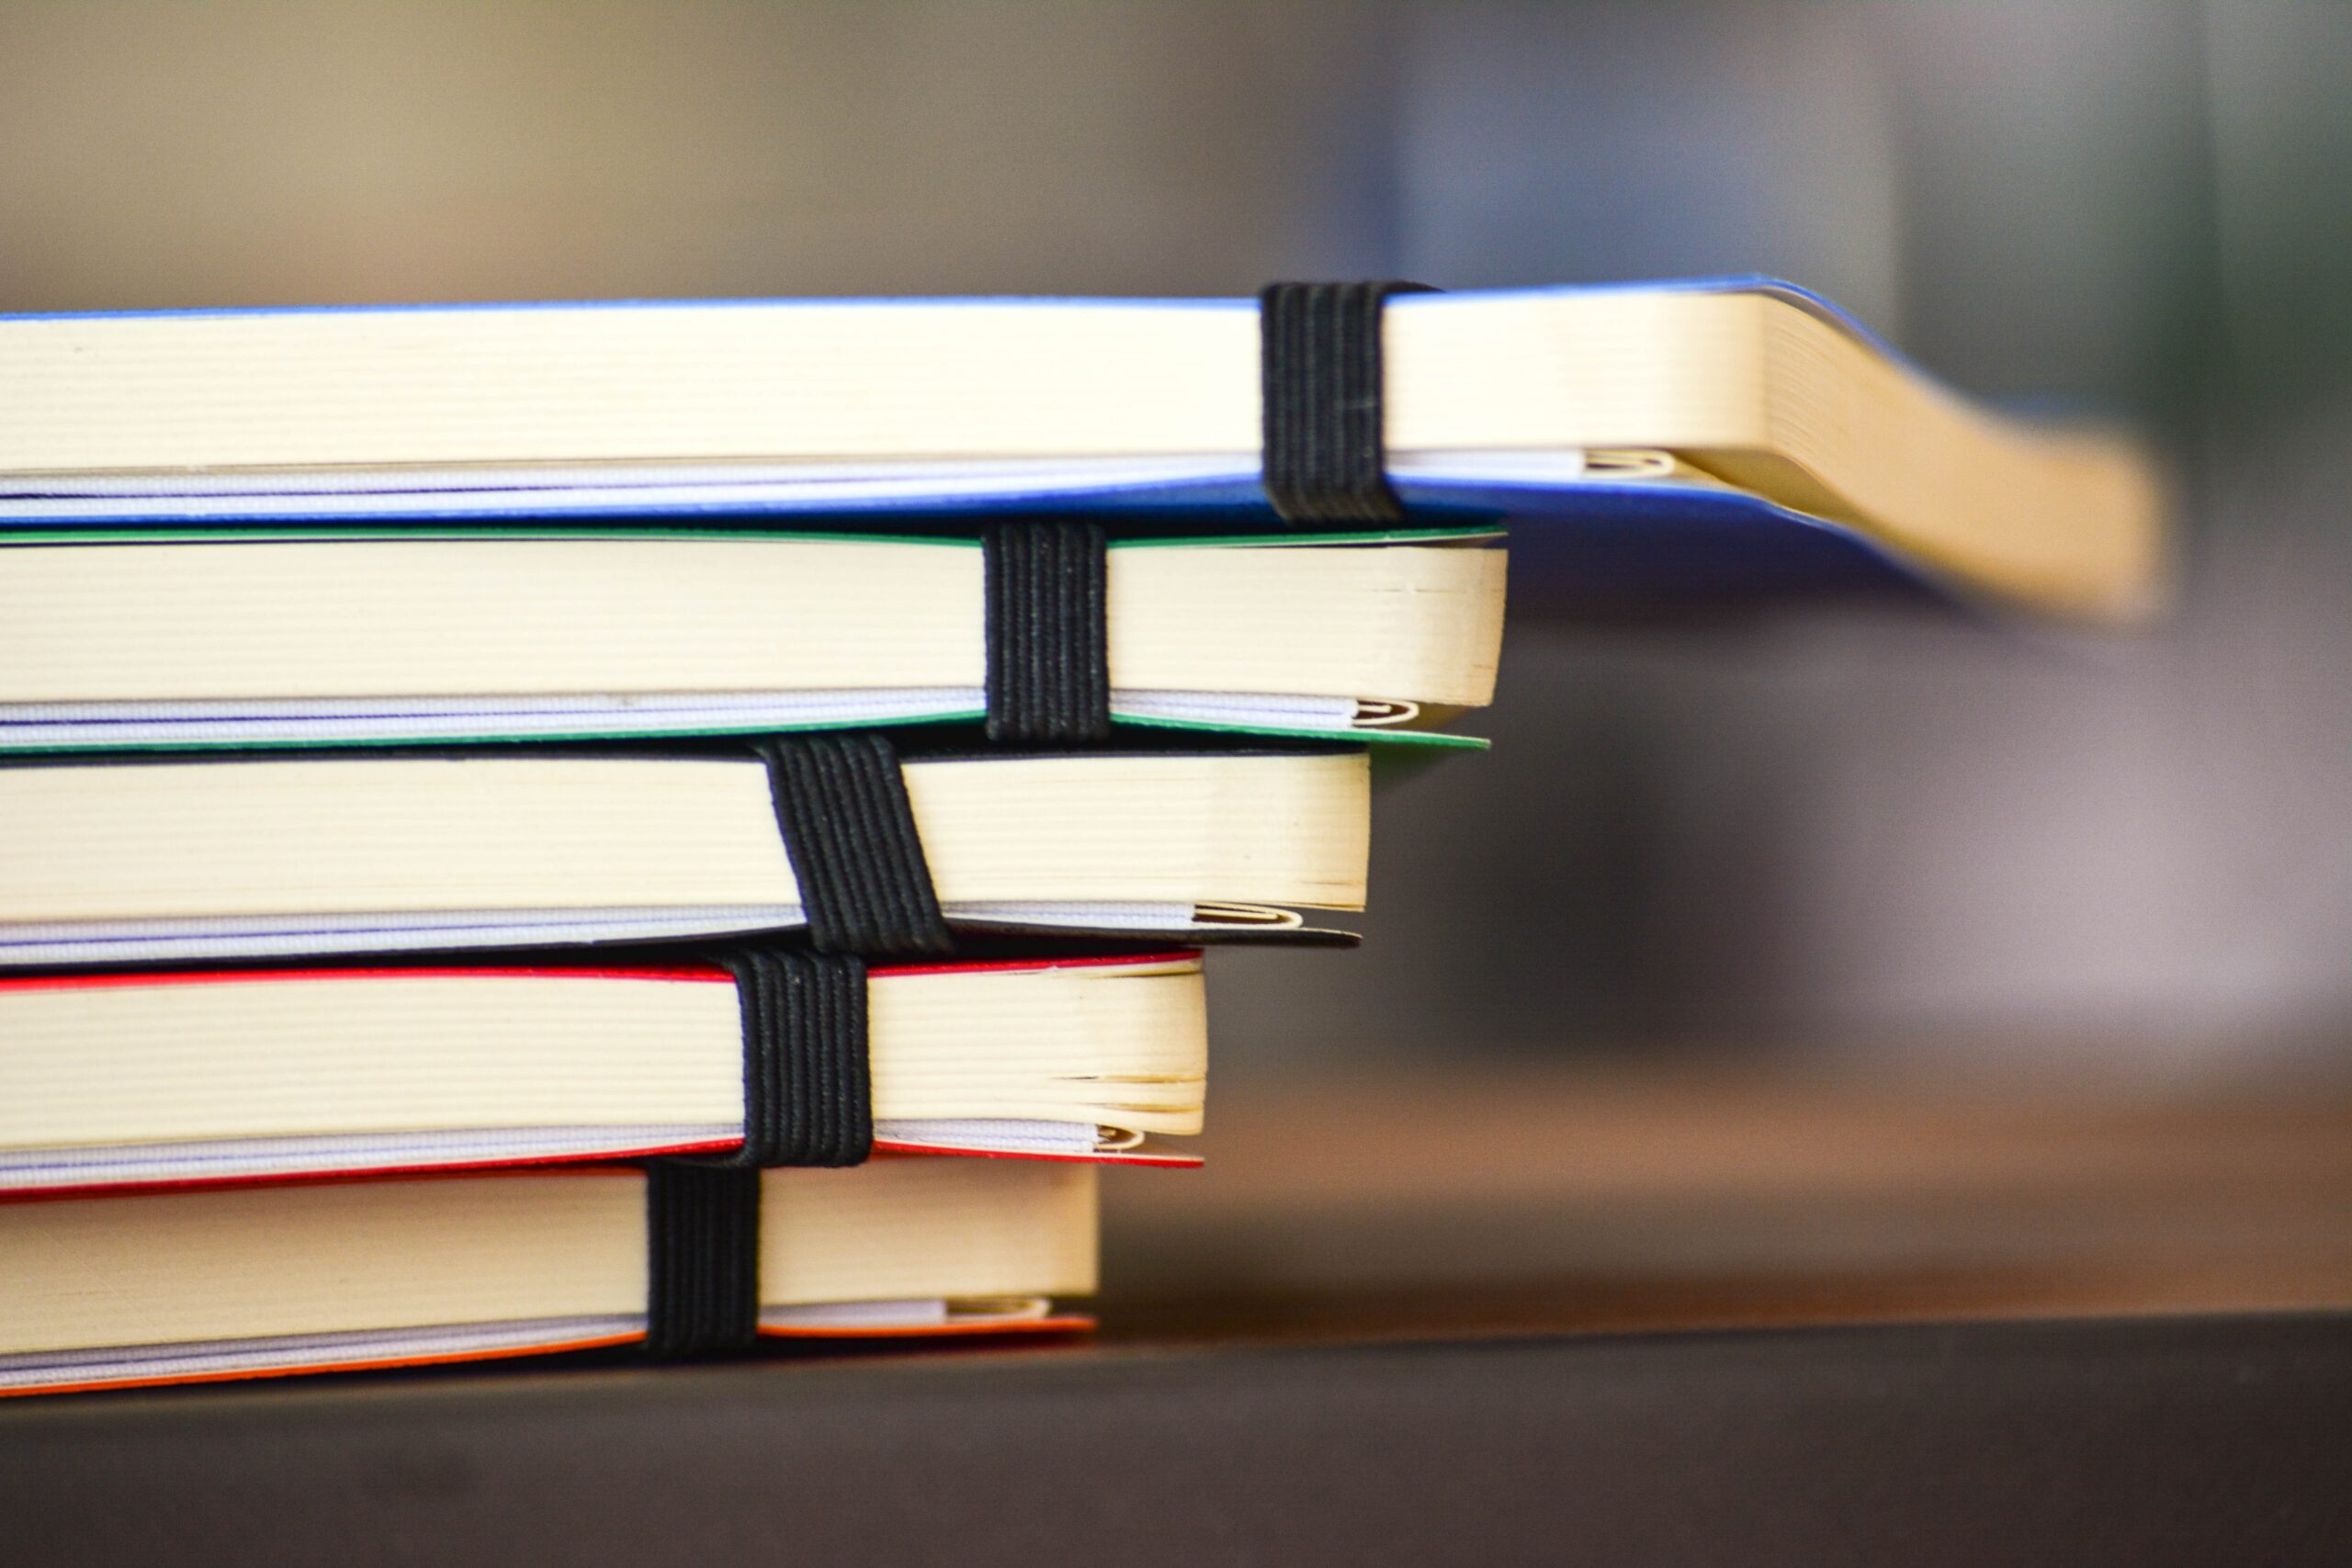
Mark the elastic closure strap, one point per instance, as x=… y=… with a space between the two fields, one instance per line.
x=702 y=1260
x=1049 y=631
x=808 y=1091
x=1320 y=391
x=850 y=833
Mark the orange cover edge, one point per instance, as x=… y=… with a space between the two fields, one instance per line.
x=1060 y=1323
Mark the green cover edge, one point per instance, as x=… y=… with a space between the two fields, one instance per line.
x=1377 y=737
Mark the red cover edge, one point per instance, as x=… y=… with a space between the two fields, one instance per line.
x=548 y=1165
x=696 y=972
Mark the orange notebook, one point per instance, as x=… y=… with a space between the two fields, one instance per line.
x=275 y=1278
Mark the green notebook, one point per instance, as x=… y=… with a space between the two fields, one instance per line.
x=163 y=639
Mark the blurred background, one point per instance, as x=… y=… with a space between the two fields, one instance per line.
x=1840 y=843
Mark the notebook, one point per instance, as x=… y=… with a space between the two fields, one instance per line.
x=257 y=853
x=182 y=1287
x=207 y=1075
x=1677 y=429
x=120 y=640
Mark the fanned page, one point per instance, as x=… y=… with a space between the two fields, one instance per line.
x=261 y=1282
x=193 y=640
x=172 y=1078
x=253 y=854
x=1545 y=404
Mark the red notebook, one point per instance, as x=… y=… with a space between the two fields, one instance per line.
x=196 y=1077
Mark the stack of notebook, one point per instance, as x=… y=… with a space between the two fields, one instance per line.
x=536 y=827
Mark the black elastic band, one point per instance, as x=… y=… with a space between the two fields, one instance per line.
x=1049 y=631
x=808 y=1091
x=850 y=832
x=701 y=1260
x=1320 y=380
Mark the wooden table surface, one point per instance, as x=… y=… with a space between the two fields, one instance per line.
x=1534 y=1200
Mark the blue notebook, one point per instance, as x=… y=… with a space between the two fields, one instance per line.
x=1728 y=438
